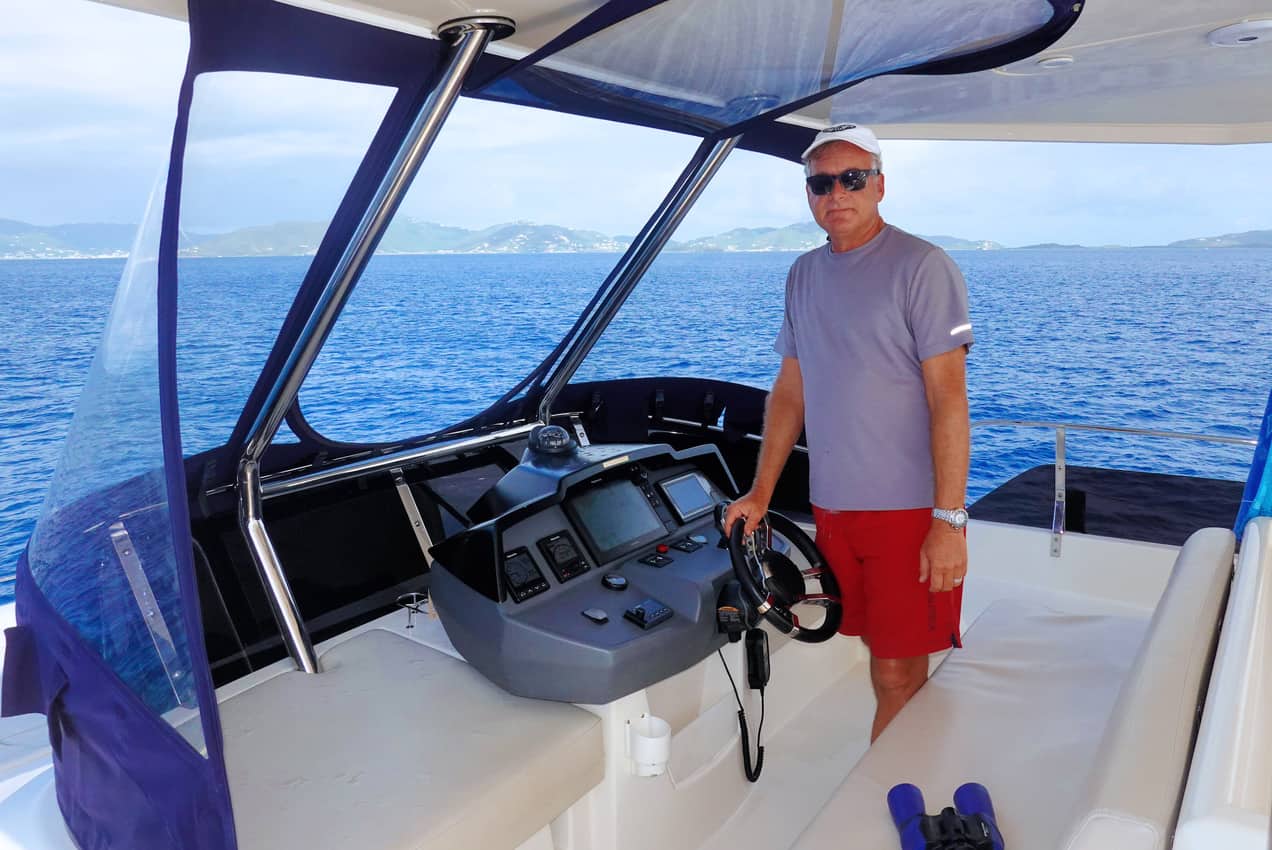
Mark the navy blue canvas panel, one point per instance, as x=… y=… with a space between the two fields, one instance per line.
x=125 y=778
x=1257 y=500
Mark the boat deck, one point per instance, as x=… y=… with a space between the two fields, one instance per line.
x=821 y=745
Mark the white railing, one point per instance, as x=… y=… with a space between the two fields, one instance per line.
x=1060 y=428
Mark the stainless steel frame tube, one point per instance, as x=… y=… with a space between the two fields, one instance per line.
x=470 y=38
x=637 y=260
x=282 y=486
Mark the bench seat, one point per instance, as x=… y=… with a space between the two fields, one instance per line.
x=396 y=746
x=983 y=717
x=1079 y=725
x=1228 y=800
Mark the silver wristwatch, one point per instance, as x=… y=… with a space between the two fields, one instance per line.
x=956 y=518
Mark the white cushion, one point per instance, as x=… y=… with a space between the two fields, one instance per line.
x=1079 y=726
x=1019 y=710
x=1228 y=798
x=396 y=746
x=1130 y=800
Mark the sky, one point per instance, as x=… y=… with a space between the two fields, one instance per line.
x=88 y=96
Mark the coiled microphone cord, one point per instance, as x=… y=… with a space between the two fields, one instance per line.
x=752 y=772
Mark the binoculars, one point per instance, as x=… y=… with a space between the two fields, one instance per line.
x=971 y=827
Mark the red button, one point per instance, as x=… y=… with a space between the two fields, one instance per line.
x=662 y=548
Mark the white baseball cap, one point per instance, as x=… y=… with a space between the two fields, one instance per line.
x=862 y=137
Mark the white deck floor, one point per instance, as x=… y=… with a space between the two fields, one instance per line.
x=821 y=704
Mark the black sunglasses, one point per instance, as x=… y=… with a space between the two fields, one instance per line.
x=853 y=180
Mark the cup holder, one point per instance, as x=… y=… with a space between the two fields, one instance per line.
x=414 y=604
x=649 y=745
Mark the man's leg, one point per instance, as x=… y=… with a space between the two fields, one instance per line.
x=875 y=558
x=895 y=680
x=905 y=621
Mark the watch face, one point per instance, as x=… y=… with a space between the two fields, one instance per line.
x=959 y=518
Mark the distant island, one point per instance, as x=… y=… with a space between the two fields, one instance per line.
x=21 y=241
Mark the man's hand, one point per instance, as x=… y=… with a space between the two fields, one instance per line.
x=750 y=507
x=943 y=557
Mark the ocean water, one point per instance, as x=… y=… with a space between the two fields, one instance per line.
x=1162 y=339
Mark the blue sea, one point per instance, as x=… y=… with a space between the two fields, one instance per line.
x=1165 y=339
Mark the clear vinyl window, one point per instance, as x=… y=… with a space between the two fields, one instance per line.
x=103 y=551
x=268 y=160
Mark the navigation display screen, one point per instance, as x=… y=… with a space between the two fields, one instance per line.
x=688 y=494
x=616 y=516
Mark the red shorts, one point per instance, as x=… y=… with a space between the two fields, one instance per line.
x=875 y=558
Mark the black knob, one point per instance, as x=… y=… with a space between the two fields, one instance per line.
x=614 y=581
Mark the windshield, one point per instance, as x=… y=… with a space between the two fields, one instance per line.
x=268 y=160
x=493 y=254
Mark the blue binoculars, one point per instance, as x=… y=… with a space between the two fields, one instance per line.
x=970 y=825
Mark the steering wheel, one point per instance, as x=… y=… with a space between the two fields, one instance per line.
x=774 y=584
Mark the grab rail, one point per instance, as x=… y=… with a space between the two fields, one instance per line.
x=1058 y=508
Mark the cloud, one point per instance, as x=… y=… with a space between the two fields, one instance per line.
x=242 y=100
x=87 y=103
x=242 y=120
x=1022 y=193
x=19 y=139
x=76 y=47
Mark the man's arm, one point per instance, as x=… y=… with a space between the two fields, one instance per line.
x=783 y=421
x=944 y=553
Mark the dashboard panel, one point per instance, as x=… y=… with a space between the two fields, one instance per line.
x=598 y=577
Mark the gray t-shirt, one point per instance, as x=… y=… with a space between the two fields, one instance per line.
x=860 y=323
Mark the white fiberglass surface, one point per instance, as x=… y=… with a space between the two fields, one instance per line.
x=726 y=61
x=102 y=552
x=1122 y=73
x=1142 y=82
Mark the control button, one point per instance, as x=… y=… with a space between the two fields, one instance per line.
x=687 y=545
x=648 y=614
x=596 y=615
x=700 y=539
x=614 y=581
x=656 y=560
x=662 y=548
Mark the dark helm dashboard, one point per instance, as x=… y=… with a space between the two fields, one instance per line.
x=597 y=574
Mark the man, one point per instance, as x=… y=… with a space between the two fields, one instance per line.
x=873 y=347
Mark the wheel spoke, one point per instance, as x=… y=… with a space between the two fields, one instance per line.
x=825 y=600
